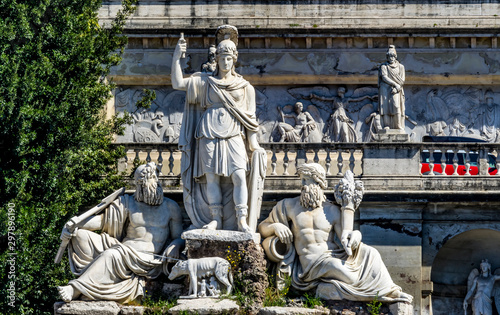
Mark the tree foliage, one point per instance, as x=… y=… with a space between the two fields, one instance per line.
x=55 y=145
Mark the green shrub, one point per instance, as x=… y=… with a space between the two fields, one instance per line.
x=55 y=145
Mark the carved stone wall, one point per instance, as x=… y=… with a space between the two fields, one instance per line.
x=290 y=49
x=460 y=110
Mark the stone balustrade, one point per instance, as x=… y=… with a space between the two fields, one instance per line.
x=384 y=167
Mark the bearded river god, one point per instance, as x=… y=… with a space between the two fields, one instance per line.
x=114 y=264
x=325 y=253
x=221 y=189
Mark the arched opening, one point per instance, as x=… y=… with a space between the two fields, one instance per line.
x=453 y=264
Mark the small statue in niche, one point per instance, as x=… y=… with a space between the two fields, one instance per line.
x=304 y=124
x=211 y=64
x=339 y=127
x=324 y=252
x=391 y=93
x=135 y=229
x=481 y=286
x=489 y=117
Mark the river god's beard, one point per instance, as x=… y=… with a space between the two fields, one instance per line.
x=149 y=191
x=311 y=196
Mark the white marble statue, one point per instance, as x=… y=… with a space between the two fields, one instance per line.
x=391 y=93
x=304 y=124
x=481 y=286
x=218 y=125
x=200 y=269
x=328 y=254
x=135 y=229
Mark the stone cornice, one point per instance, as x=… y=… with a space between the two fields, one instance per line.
x=267 y=79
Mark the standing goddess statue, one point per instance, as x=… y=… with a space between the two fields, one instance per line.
x=221 y=189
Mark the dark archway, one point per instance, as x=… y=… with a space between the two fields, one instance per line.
x=462 y=253
x=454 y=262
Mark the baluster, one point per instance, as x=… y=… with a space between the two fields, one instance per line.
x=160 y=161
x=422 y=160
x=285 y=162
x=443 y=162
x=455 y=162
x=483 y=162
x=148 y=156
x=362 y=161
x=316 y=157
x=497 y=162
x=300 y=157
x=125 y=160
x=328 y=161
x=339 y=163
x=171 y=162
x=273 y=163
x=137 y=160
x=431 y=162
x=122 y=163
x=351 y=160
x=467 y=163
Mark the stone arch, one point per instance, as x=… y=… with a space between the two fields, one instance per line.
x=453 y=263
x=462 y=253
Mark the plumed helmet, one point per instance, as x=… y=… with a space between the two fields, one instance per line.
x=392 y=51
x=226 y=38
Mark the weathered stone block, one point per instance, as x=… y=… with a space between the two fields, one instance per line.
x=133 y=310
x=87 y=308
x=276 y=310
x=220 y=236
x=401 y=309
x=204 y=306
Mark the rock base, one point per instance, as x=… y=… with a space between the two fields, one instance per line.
x=360 y=308
x=245 y=254
x=217 y=306
x=401 y=309
x=205 y=307
x=276 y=310
x=87 y=308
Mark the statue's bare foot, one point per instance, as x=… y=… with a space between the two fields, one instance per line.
x=212 y=225
x=406 y=297
x=66 y=293
x=400 y=296
x=243 y=226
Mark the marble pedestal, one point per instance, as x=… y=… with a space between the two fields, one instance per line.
x=242 y=250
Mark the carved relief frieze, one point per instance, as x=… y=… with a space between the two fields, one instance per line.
x=160 y=123
x=332 y=113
